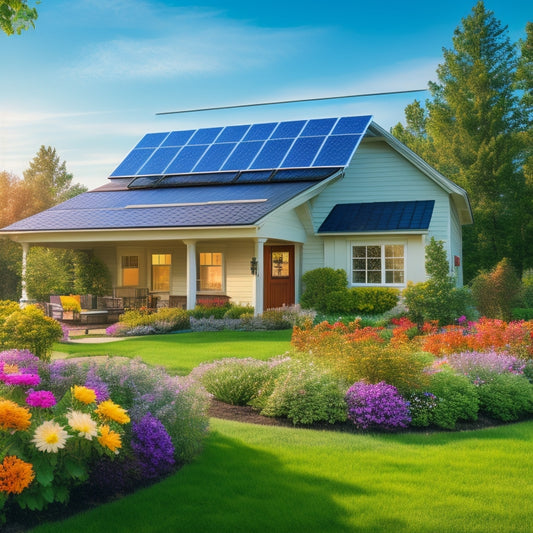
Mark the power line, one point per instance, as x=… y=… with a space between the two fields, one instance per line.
x=280 y=102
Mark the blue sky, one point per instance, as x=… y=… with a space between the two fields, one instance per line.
x=90 y=78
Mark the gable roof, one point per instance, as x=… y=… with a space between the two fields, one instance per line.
x=378 y=216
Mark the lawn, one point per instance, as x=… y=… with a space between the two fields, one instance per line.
x=278 y=479
x=271 y=479
x=180 y=353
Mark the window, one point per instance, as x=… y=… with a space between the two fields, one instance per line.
x=130 y=270
x=210 y=271
x=382 y=264
x=280 y=265
x=161 y=272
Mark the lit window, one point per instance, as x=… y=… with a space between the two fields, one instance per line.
x=130 y=270
x=210 y=271
x=161 y=272
x=378 y=264
x=280 y=264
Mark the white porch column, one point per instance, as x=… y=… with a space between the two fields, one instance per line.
x=191 y=274
x=258 y=283
x=24 y=294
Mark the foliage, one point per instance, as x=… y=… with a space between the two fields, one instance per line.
x=233 y=381
x=236 y=311
x=457 y=399
x=28 y=328
x=163 y=320
x=496 y=292
x=362 y=300
x=507 y=397
x=49 y=271
x=526 y=292
x=70 y=303
x=437 y=298
x=421 y=406
x=10 y=266
x=305 y=394
x=16 y=16
x=522 y=314
x=208 y=311
x=377 y=406
x=91 y=275
x=318 y=284
x=475 y=130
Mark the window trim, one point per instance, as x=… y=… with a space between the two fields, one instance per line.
x=381 y=244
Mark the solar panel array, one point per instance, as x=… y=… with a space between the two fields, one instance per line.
x=299 y=144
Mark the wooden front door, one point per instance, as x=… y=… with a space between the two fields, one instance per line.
x=279 y=276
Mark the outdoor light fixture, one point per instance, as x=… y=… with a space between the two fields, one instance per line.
x=253 y=266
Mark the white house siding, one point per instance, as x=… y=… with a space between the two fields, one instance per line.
x=239 y=280
x=284 y=225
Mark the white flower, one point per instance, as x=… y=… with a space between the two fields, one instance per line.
x=50 y=437
x=83 y=424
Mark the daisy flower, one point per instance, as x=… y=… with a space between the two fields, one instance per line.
x=83 y=424
x=50 y=437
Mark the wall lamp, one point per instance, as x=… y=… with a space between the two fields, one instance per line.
x=253 y=266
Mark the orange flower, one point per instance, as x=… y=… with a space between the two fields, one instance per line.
x=15 y=475
x=10 y=369
x=84 y=394
x=109 y=409
x=109 y=438
x=13 y=416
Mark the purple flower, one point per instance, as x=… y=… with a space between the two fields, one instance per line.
x=21 y=377
x=479 y=366
x=377 y=405
x=153 y=447
x=41 y=398
x=96 y=383
x=22 y=358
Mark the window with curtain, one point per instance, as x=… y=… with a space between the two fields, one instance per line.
x=210 y=271
x=161 y=264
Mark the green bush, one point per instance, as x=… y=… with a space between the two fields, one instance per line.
x=164 y=320
x=306 y=394
x=207 y=311
x=91 y=275
x=375 y=300
x=457 y=399
x=496 y=292
x=522 y=313
x=318 y=284
x=506 y=397
x=236 y=311
x=29 y=329
x=234 y=381
x=340 y=302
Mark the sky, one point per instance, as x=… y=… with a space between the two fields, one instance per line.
x=91 y=77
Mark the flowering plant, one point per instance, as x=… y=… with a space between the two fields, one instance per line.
x=45 y=443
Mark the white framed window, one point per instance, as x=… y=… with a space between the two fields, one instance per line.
x=378 y=264
x=161 y=264
x=130 y=270
x=210 y=272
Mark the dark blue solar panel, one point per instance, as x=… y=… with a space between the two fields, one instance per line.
x=288 y=130
x=243 y=155
x=178 y=138
x=272 y=153
x=260 y=132
x=296 y=174
x=197 y=179
x=159 y=161
x=351 y=125
x=134 y=160
x=259 y=176
x=186 y=159
x=205 y=136
x=319 y=126
x=232 y=134
x=214 y=158
x=337 y=151
x=303 y=152
x=143 y=182
x=152 y=140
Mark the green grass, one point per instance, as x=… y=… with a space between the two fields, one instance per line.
x=180 y=353
x=271 y=479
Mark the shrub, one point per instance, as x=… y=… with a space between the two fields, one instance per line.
x=421 y=407
x=29 y=328
x=70 y=303
x=306 y=394
x=318 y=284
x=506 y=397
x=520 y=313
x=236 y=311
x=233 y=381
x=457 y=399
x=496 y=292
x=362 y=300
x=207 y=311
x=378 y=406
x=140 y=322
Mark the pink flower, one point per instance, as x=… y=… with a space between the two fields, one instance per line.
x=20 y=379
x=41 y=398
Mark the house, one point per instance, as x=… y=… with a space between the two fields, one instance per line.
x=243 y=211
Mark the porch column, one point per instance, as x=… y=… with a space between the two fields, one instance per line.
x=191 y=274
x=24 y=294
x=258 y=283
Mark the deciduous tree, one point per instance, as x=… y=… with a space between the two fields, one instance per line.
x=16 y=16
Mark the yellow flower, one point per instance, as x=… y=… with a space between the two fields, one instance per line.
x=84 y=394
x=109 y=438
x=10 y=369
x=13 y=416
x=50 y=437
x=15 y=475
x=83 y=424
x=112 y=411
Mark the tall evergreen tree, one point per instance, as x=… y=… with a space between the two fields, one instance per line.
x=468 y=131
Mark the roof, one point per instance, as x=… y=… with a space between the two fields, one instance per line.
x=378 y=216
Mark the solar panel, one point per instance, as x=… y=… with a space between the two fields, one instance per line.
x=326 y=142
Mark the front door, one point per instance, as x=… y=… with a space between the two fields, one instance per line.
x=279 y=276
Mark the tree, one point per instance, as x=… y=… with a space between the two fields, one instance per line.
x=16 y=16
x=49 y=181
x=468 y=131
